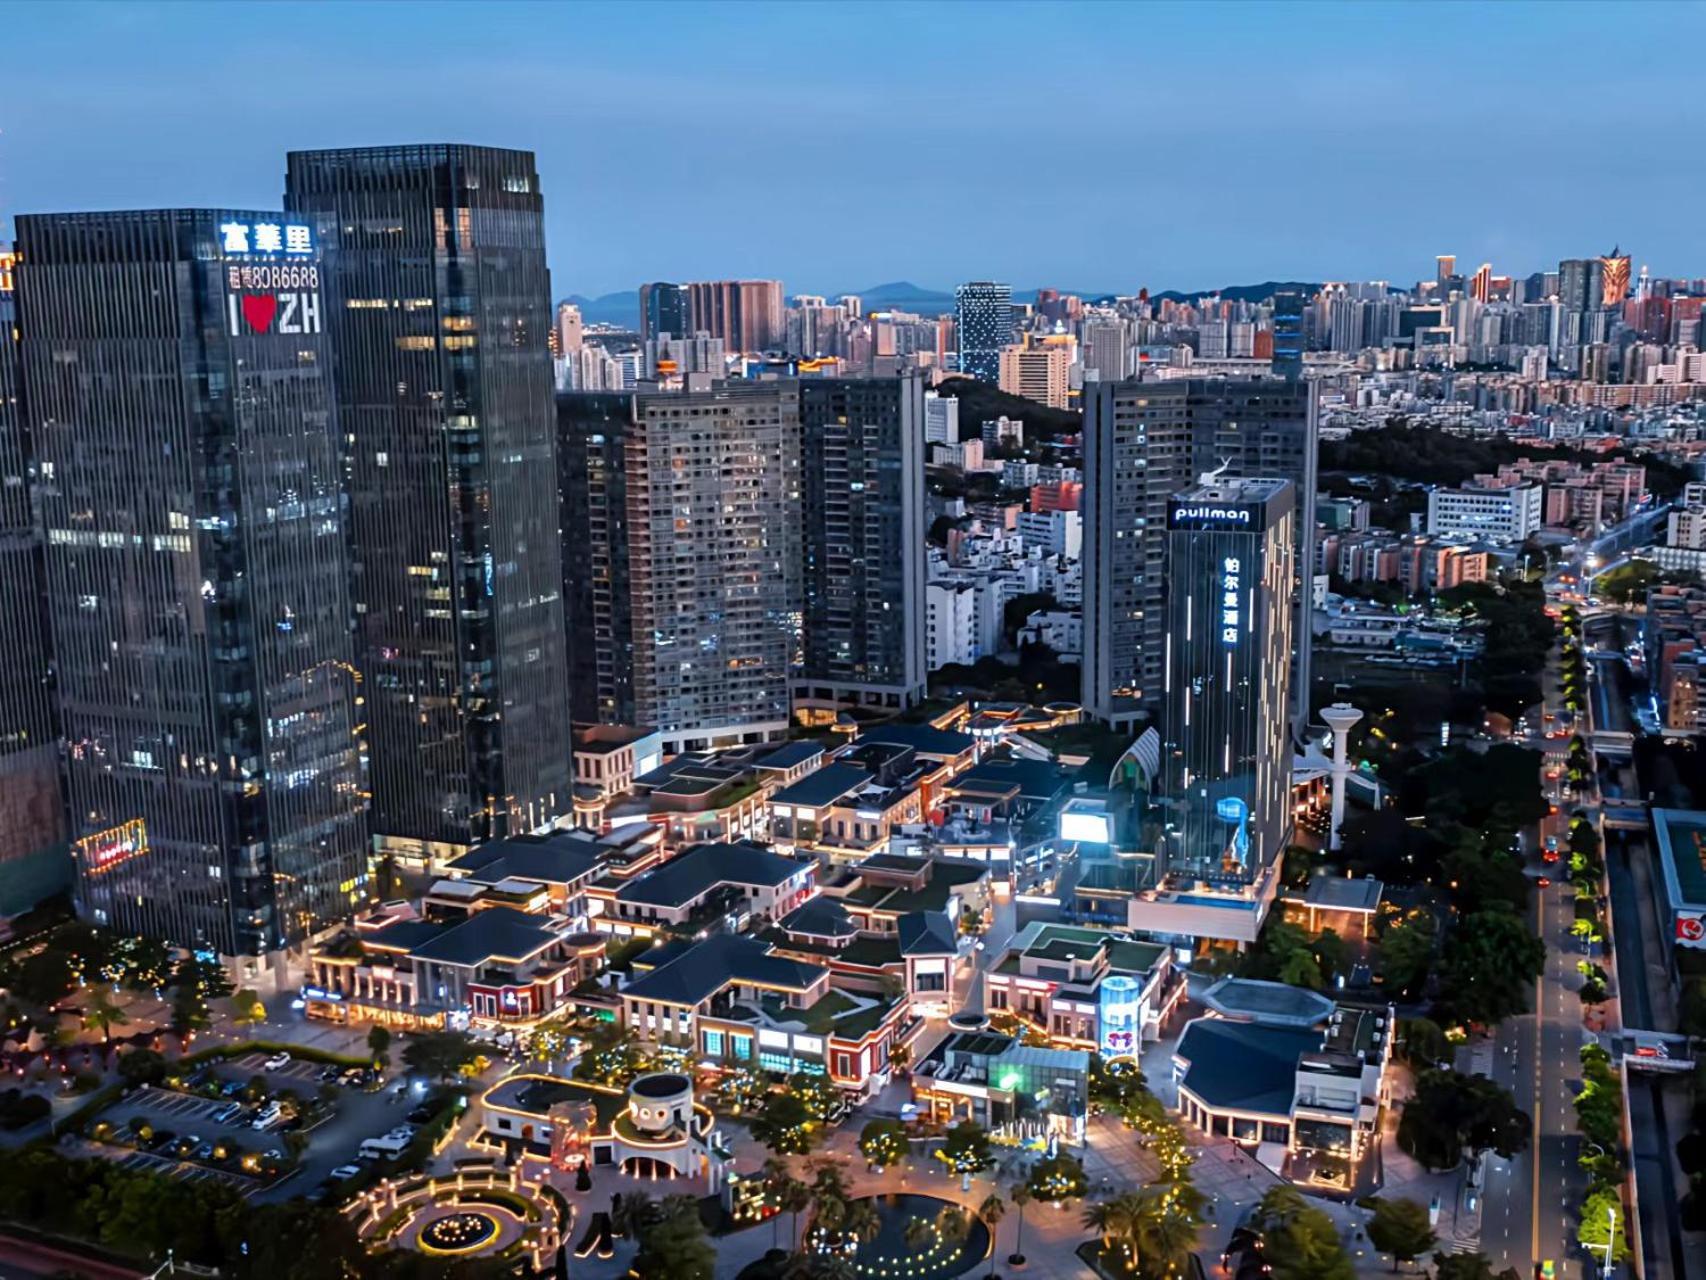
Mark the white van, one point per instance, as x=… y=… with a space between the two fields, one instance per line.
x=389 y=1145
x=272 y=1114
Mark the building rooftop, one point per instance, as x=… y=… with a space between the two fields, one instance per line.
x=926 y=933
x=1273 y=1004
x=789 y=755
x=557 y=858
x=681 y=880
x=824 y=787
x=601 y=739
x=926 y=740
x=706 y=968
x=500 y=934
x=1244 y=1066
x=1036 y=780
x=820 y=917
x=1341 y=893
x=1682 y=854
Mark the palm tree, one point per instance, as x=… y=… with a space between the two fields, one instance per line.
x=1164 y=1231
x=791 y=1197
x=100 y=1011
x=992 y=1210
x=862 y=1222
x=630 y=1212
x=1021 y=1196
x=775 y=1172
x=919 y=1233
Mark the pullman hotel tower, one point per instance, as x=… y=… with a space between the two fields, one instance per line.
x=1227 y=758
x=177 y=397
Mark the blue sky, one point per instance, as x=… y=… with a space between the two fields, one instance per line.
x=1098 y=147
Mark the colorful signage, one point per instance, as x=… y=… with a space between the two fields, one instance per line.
x=106 y=850
x=1119 y=1017
x=1690 y=929
x=1231 y=572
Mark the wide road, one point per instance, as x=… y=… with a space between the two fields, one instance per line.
x=1527 y=1212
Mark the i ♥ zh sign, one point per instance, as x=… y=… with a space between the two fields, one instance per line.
x=284 y=313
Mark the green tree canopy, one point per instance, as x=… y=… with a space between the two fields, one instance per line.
x=440 y=1054
x=784 y=1124
x=673 y=1246
x=1489 y=967
x=1400 y=1227
x=1300 y=1241
x=1452 y=1113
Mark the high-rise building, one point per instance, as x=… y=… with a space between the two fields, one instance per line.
x=1481 y=283
x=710 y=502
x=665 y=310
x=1107 y=350
x=1143 y=443
x=1041 y=371
x=1226 y=759
x=1288 y=337
x=862 y=542
x=33 y=860
x=745 y=314
x=176 y=373
x=941 y=419
x=1445 y=266
x=983 y=320
x=444 y=387
x=592 y=436
x=570 y=331
x=1614 y=279
x=1581 y=284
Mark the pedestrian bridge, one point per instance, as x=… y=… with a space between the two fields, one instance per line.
x=1649 y=1050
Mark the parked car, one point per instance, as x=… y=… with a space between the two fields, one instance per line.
x=231 y=1088
x=421 y=1114
x=330 y=1074
x=204 y=1151
x=228 y=1112
x=278 y=1062
x=344 y=1171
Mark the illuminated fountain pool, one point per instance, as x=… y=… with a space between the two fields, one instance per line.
x=465 y=1231
x=900 y=1252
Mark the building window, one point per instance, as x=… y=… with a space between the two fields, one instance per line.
x=743 y=1047
x=713 y=1044
x=778 y=1062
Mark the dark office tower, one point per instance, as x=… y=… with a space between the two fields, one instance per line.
x=1288 y=335
x=1581 y=283
x=592 y=433
x=711 y=495
x=33 y=861
x=1227 y=756
x=863 y=543
x=445 y=396
x=664 y=310
x=1143 y=443
x=983 y=317
x=177 y=394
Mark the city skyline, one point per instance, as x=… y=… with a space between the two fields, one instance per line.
x=86 y=123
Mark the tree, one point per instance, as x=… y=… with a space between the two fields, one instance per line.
x=1422 y=1042
x=1020 y=1195
x=379 y=1045
x=1400 y=1227
x=1165 y=1228
x=630 y=1211
x=784 y=1124
x=1452 y=1112
x=966 y=1148
x=141 y=1066
x=820 y=1096
x=247 y=1009
x=42 y=979
x=1300 y=1242
x=101 y=1014
x=884 y=1142
x=1469 y=1266
x=674 y=1247
x=440 y=1054
x=1058 y=1178
x=992 y=1210
x=1604 y=1222
x=1490 y=966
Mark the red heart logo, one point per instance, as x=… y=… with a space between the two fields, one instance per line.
x=259 y=310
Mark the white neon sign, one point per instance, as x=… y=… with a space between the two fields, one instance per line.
x=266 y=237
x=1230 y=572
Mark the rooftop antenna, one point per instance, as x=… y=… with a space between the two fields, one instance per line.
x=1211 y=477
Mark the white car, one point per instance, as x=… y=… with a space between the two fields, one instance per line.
x=278 y=1062
x=345 y=1171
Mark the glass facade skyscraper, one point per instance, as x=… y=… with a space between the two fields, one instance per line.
x=592 y=436
x=1143 y=443
x=176 y=371
x=863 y=540
x=444 y=389
x=1226 y=757
x=983 y=320
x=664 y=310
x=33 y=862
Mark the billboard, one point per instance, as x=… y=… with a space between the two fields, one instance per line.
x=1119 y=1017
x=107 y=850
x=1690 y=929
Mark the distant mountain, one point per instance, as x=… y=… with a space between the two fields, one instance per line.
x=619 y=309
x=623 y=309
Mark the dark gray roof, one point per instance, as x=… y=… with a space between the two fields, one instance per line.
x=1036 y=779
x=820 y=917
x=500 y=933
x=558 y=858
x=926 y=933
x=1273 y=1003
x=1340 y=893
x=1242 y=1066
x=702 y=868
x=825 y=786
x=714 y=963
x=925 y=739
x=404 y=935
x=788 y=755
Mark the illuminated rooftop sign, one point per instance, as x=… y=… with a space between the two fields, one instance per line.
x=243 y=239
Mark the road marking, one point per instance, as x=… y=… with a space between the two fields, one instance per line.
x=1539 y=1030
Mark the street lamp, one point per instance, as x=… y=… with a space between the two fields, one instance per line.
x=1610 y=1238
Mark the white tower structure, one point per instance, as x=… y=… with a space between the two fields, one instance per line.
x=1339 y=717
